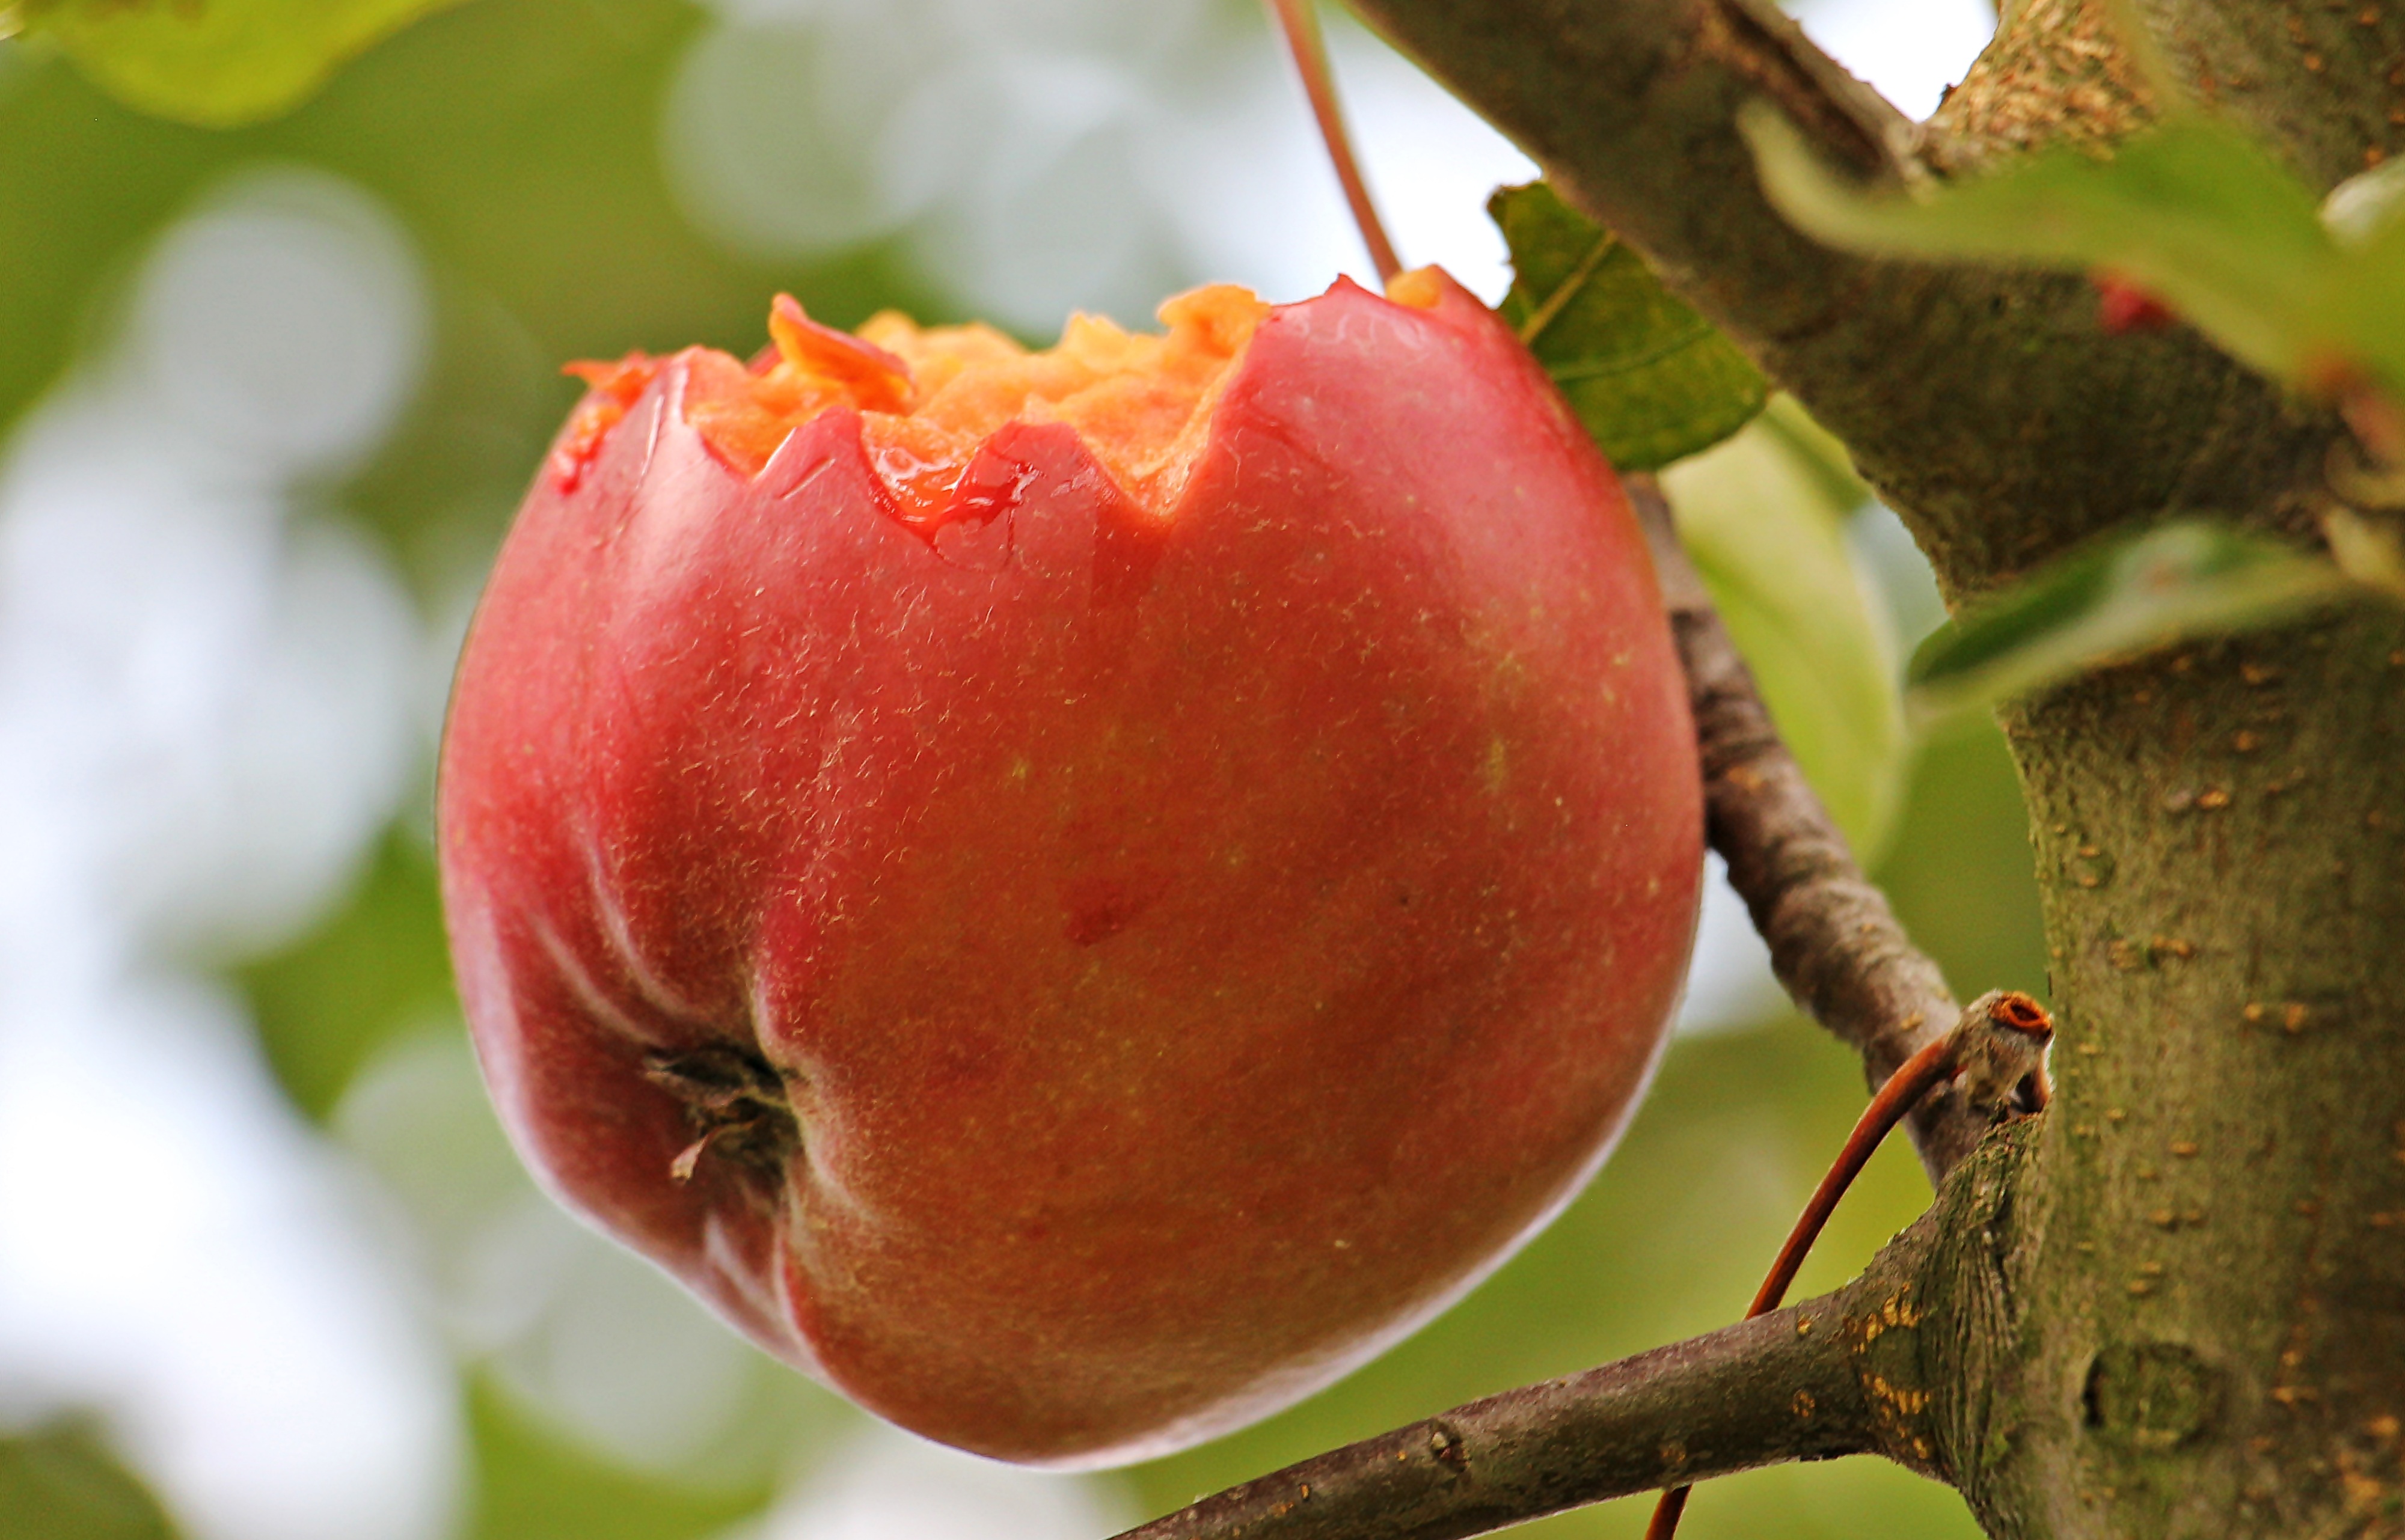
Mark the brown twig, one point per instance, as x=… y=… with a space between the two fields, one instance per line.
x=1780 y=1386
x=1835 y=944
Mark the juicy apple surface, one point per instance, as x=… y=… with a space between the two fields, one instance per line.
x=1075 y=950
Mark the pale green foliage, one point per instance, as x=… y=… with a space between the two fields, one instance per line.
x=2192 y=211
x=63 y=1483
x=1763 y=516
x=2117 y=600
x=216 y=63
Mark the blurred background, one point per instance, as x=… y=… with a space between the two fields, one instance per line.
x=268 y=398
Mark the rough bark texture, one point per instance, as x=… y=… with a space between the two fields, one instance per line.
x=2215 y=1276
x=2175 y=1306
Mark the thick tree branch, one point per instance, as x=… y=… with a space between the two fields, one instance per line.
x=1780 y=1386
x=2310 y=79
x=1835 y=944
x=1961 y=391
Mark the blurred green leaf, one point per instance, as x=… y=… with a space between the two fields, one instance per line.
x=2116 y=600
x=375 y=970
x=2193 y=211
x=62 y=1483
x=533 y=1484
x=1762 y=515
x=1957 y=870
x=216 y=63
x=1651 y=379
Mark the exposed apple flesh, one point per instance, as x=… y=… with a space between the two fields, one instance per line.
x=1079 y=932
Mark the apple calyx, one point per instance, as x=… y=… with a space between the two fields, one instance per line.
x=735 y=1103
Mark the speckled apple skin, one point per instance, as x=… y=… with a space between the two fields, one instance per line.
x=1199 y=948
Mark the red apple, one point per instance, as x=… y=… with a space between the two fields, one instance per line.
x=1075 y=918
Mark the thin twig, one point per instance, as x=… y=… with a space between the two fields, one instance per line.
x=1833 y=941
x=1998 y=1045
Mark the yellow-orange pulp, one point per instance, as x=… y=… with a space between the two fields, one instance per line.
x=928 y=396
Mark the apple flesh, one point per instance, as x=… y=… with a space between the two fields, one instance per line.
x=1073 y=976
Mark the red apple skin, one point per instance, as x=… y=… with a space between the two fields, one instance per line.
x=1197 y=948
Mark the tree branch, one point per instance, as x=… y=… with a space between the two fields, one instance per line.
x=1779 y=1387
x=1835 y=943
x=1964 y=392
x=1899 y=1363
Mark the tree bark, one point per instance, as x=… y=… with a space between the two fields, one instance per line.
x=2212 y=1286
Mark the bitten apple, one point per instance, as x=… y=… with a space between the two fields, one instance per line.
x=1074 y=896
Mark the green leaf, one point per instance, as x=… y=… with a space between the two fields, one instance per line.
x=2193 y=211
x=2117 y=600
x=216 y=63
x=1763 y=516
x=374 y=970
x=1652 y=380
x=62 y=1483
x=535 y=1483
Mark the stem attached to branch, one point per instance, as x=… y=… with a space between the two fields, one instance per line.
x=1998 y=1049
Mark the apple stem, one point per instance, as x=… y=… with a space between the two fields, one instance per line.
x=1299 y=21
x=1998 y=1045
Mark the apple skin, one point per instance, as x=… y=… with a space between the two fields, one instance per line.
x=1195 y=948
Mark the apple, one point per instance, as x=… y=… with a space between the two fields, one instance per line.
x=1074 y=896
